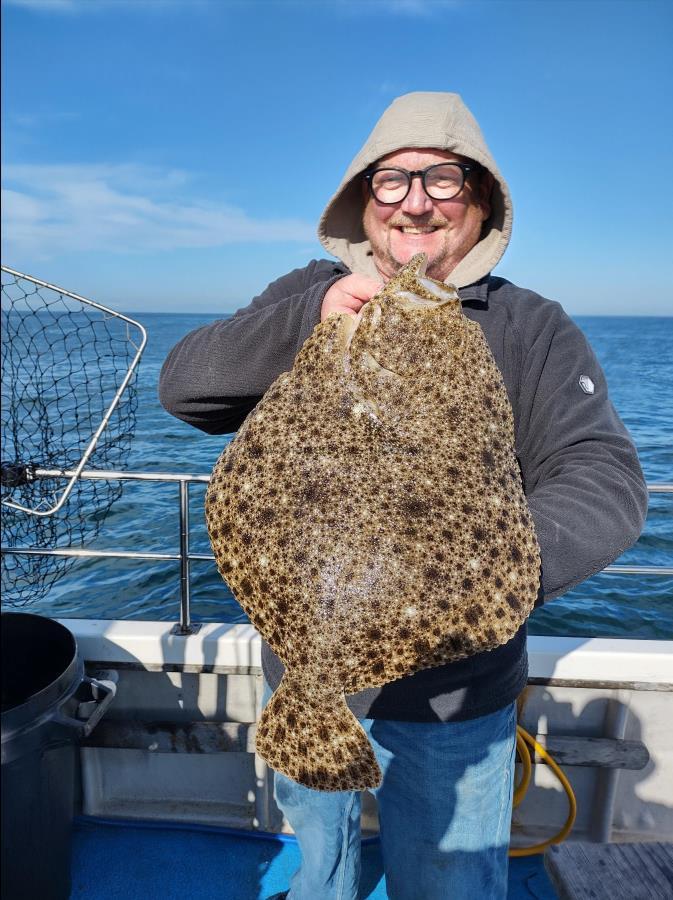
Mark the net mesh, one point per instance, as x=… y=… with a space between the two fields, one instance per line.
x=63 y=362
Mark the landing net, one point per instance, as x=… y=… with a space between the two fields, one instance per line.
x=69 y=400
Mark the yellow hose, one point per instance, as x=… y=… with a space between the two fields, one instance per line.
x=523 y=738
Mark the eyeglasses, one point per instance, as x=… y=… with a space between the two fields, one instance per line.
x=440 y=182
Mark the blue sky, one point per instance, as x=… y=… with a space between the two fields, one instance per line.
x=175 y=155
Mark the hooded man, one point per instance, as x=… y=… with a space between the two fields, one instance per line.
x=444 y=738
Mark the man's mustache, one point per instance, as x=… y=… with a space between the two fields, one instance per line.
x=418 y=223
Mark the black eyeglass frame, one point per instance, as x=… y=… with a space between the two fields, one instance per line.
x=465 y=168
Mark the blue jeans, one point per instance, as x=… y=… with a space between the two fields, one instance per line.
x=445 y=807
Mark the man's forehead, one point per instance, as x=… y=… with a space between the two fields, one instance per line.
x=414 y=155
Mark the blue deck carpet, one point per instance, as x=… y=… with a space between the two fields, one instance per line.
x=138 y=861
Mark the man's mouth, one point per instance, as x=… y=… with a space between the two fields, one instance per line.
x=417 y=229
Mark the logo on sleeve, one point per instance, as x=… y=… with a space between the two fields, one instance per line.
x=586 y=384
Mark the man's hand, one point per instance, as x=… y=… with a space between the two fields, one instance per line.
x=348 y=295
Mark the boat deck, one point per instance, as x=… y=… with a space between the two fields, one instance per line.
x=113 y=859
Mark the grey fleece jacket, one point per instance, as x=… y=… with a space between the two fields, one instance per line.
x=579 y=466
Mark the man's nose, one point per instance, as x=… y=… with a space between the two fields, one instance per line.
x=417 y=201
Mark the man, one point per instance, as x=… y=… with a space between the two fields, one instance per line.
x=425 y=181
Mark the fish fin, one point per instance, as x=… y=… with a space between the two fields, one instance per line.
x=314 y=739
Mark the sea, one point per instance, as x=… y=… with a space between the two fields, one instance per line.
x=637 y=356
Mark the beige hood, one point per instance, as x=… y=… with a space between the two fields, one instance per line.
x=422 y=119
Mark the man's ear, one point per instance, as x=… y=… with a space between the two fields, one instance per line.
x=486 y=183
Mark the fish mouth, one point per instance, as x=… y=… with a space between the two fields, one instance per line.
x=349 y=327
x=371 y=362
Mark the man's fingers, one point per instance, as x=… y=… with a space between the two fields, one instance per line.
x=349 y=295
x=362 y=286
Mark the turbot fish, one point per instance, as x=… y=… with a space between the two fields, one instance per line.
x=370 y=518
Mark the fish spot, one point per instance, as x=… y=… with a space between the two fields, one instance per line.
x=488 y=459
x=472 y=615
x=266 y=516
x=513 y=601
x=414 y=507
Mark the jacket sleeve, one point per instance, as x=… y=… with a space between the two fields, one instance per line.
x=217 y=374
x=582 y=478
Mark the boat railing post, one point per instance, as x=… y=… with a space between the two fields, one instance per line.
x=605 y=791
x=185 y=626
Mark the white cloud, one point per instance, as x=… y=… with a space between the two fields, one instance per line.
x=93 y=6
x=414 y=8
x=47 y=210
x=43 y=119
x=43 y=5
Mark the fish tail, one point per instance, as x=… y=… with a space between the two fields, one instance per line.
x=312 y=737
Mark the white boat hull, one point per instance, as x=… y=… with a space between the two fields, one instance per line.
x=178 y=742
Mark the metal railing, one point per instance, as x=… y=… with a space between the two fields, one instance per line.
x=185 y=625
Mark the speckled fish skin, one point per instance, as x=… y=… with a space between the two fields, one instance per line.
x=369 y=517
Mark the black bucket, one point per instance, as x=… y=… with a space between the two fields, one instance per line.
x=44 y=693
